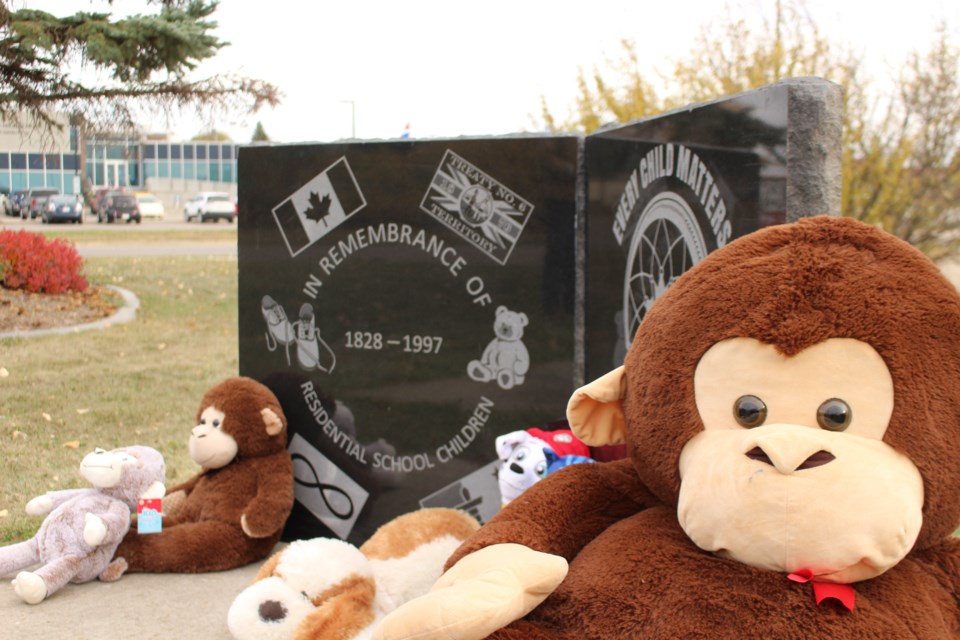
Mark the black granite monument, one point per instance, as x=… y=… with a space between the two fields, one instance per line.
x=409 y=301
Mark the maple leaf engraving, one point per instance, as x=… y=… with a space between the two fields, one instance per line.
x=317 y=208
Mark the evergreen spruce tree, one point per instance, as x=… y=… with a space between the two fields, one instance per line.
x=141 y=65
x=259 y=134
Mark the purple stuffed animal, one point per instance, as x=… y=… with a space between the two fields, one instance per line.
x=84 y=526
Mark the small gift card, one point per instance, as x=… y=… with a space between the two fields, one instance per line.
x=149 y=516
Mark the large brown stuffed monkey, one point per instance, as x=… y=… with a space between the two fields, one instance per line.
x=232 y=513
x=791 y=408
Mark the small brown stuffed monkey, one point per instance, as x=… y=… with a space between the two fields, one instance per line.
x=232 y=513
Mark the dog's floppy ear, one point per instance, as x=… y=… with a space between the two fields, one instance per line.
x=343 y=611
x=268 y=567
x=506 y=443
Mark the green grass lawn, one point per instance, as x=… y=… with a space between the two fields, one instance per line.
x=136 y=383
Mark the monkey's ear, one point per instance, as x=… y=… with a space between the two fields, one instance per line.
x=595 y=413
x=271 y=421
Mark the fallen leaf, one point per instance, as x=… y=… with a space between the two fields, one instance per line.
x=83 y=411
x=19 y=434
x=4 y=513
x=46 y=416
x=73 y=444
x=4 y=373
x=161 y=346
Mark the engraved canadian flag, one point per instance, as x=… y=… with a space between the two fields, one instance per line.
x=319 y=206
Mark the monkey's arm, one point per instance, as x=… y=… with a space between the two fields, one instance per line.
x=561 y=514
x=515 y=561
x=268 y=510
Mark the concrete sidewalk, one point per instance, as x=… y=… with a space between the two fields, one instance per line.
x=138 y=606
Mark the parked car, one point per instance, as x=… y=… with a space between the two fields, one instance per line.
x=210 y=205
x=33 y=201
x=16 y=201
x=119 y=206
x=149 y=205
x=62 y=209
x=97 y=202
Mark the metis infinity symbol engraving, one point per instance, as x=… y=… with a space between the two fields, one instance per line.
x=323 y=489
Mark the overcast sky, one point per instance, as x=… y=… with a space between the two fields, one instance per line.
x=371 y=67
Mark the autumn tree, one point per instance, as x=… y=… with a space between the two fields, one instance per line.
x=211 y=135
x=103 y=72
x=901 y=169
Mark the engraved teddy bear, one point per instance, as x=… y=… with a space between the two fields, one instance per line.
x=506 y=358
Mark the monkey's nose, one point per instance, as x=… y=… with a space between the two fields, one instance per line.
x=817 y=459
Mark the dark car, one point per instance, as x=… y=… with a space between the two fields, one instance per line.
x=62 y=209
x=16 y=201
x=99 y=199
x=119 y=206
x=33 y=201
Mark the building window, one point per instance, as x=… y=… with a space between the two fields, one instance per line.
x=149 y=152
x=18 y=161
x=4 y=161
x=71 y=162
x=214 y=152
x=53 y=161
x=201 y=152
x=163 y=151
x=175 y=151
x=188 y=152
x=35 y=160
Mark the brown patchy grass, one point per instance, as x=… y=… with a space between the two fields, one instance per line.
x=138 y=383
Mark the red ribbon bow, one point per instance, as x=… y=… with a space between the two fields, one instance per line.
x=844 y=593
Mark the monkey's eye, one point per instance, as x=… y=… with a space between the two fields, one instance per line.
x=216 y=424
x=834 y=415
x=749 y=411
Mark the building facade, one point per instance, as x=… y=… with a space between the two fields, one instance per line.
x=59 y=160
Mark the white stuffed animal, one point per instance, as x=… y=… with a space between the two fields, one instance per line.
x=82 y=528
x=327 y=588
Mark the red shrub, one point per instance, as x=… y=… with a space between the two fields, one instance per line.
x=32 y=262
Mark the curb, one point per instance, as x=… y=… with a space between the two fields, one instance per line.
x=126 y=313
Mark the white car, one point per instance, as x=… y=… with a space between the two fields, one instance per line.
x=149 y=205
x=210 y=205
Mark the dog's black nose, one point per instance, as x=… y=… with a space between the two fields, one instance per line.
x=272 y=611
